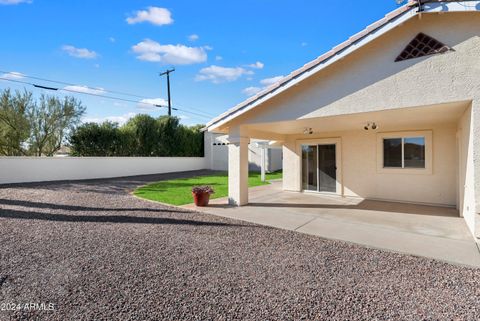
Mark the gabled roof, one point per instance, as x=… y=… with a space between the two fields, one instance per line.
x=373 y=31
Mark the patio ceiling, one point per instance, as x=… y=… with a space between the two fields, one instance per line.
x=404 y=118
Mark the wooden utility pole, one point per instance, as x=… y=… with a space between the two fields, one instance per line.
x=167 y=72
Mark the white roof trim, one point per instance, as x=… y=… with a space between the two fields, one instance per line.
x=453 y=6
x=357 y=41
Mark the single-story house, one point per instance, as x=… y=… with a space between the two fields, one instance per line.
x=216 y=151
x=393 y=113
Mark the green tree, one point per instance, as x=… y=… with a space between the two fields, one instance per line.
x=144 y=129
x=92 y=139
x=141 y=136
x=14 y=122
x=127 y=142
x=168 y=144
x=51 y=119
x=190 y=141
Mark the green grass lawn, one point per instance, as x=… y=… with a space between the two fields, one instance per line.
x=179 y=191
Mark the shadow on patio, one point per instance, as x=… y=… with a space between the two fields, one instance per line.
x=368 y=205
x=429 y=231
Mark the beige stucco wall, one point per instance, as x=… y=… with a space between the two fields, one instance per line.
x=237 y=169
x=370 y=80
x=361 y=177
x=475 y=136
x=466 y=181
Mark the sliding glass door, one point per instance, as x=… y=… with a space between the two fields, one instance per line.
x=327 y=169
x=319 y=170
x=309 y=168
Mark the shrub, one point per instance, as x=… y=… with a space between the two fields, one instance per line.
x=142 y=135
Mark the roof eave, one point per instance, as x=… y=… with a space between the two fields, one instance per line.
x=358 y=40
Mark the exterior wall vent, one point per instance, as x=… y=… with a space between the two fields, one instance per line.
x=422 y=46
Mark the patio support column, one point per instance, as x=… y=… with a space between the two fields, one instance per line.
x=475 y=114
x=238 y=170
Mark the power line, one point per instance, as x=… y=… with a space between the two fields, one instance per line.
x=198 y=112
x=80 y=92
x=103 y=96
x=17 y=81
x=45 y=87
x=191 y=112
x=69 y=84
x=93 y=88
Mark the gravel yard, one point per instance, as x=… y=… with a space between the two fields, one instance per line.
x=98 y=253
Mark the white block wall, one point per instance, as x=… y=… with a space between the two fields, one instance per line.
x=40 y=169
x=216 y=150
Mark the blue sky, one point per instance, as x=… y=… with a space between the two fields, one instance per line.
x=222 y=50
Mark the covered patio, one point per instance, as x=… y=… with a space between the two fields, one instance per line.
x=366 y=132
x=428 y=231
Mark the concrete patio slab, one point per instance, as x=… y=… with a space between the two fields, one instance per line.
x=428 y=231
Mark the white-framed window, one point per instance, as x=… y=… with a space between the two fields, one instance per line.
x=405 y=152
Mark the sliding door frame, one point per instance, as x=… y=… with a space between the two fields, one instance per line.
x=338 y=162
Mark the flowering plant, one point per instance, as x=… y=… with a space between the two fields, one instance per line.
x=202 y=190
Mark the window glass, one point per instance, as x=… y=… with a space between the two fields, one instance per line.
x=414 y=152
x=309 y=167
x=392 y=152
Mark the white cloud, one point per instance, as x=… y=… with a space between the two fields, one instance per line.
x=12 y=2
x=193 y=37
x=147 y=104
x=250 y=91
x=154 y=15
x=217 y=74
x=154 y=101
x=270 y=81
x=149 y=50
x=83 y=53
x=13 y=75
x=218 y=58
x=304 y=44
x=257 y=65
x=112 y=39
x=85 y=89
x=121 y=119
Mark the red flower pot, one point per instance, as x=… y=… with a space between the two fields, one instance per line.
x=201 y=199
